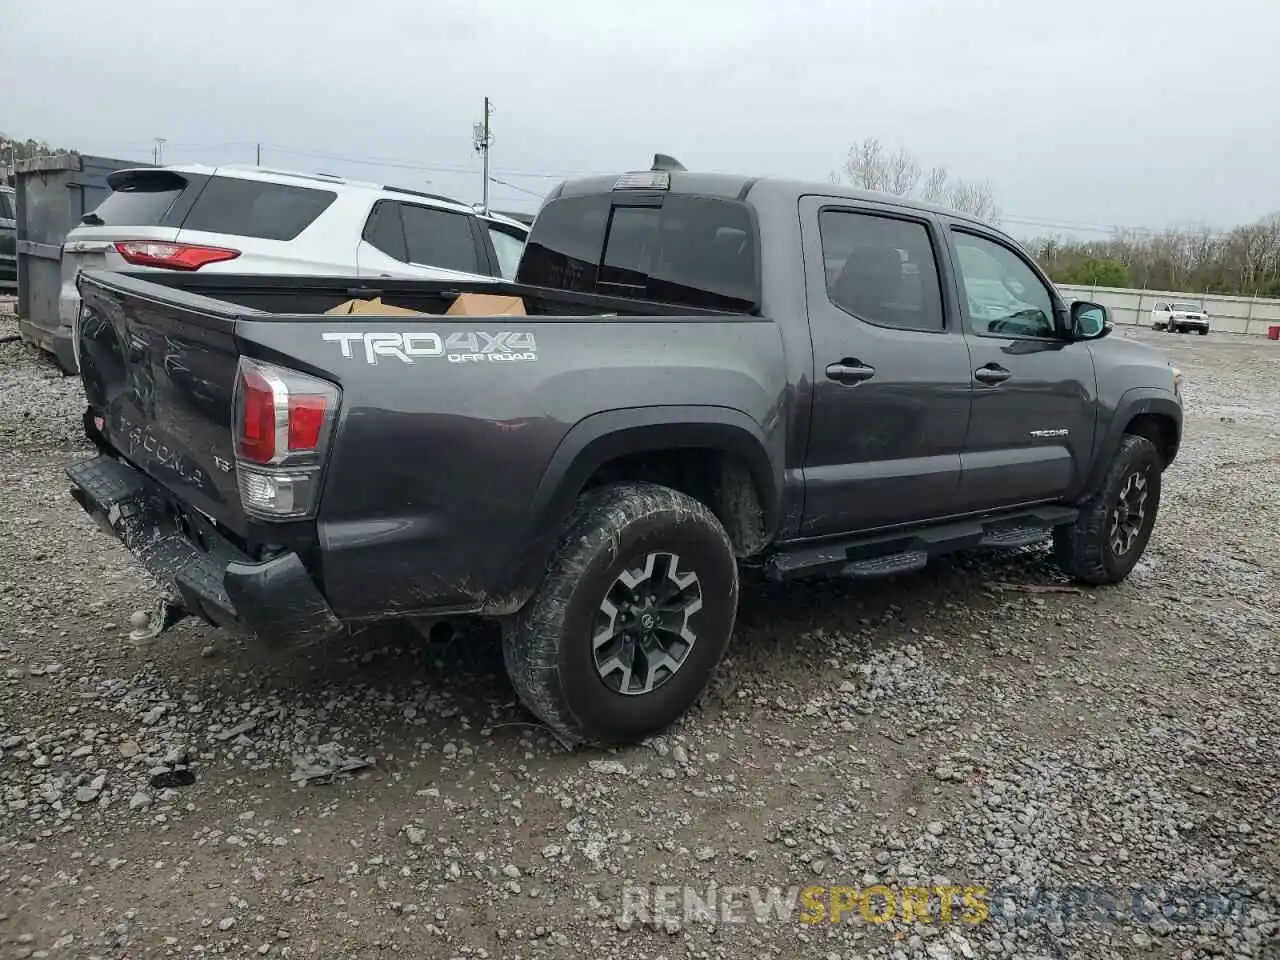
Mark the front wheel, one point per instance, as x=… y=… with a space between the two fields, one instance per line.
x=631 y=619
x=1110 y=534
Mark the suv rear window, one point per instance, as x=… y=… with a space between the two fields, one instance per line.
x=695 y=251
x=251 y=208
x=141 y=199
x=230 y=205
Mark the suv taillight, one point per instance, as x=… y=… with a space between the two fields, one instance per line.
x=172 y=256
x=282 y=423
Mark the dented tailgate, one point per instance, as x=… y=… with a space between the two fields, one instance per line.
x=159 y=369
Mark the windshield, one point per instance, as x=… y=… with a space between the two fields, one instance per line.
x=1187 y=307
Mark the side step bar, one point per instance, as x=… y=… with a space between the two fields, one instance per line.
x=905 y=551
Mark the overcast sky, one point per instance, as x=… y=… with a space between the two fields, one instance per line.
x=1099 y=112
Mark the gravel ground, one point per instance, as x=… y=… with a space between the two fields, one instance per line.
x=979 y=724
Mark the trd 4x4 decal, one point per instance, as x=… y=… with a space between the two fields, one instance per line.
x=460 y=347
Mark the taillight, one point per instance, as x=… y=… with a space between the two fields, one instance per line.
x=282 y=423
x=172 y=256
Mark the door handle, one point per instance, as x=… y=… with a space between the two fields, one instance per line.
x=850 y=371
x=992 y=373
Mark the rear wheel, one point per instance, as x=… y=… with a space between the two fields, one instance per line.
x=631 y=619
x=1112 y=530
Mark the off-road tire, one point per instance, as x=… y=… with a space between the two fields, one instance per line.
x=1083 y=550
x=1203 y=332
x=548 y=647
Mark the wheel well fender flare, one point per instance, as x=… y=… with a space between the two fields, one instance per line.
x=602 y=437
x=1133 y=403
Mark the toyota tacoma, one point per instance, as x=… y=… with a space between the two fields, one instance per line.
x=702 y=372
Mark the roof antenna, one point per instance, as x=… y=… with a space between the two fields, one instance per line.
x=662 y=161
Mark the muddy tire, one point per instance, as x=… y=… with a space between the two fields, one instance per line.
x=1111 y=533
x=631 y=618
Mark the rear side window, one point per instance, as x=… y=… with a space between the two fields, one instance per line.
x=438 y=238
x=251 y=208
x=6 y=207
x=881 y=270
x=695 y=251
x=141 y=199
x=385 y=232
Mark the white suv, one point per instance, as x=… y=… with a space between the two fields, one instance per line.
x=1178 y=315
x=250 y=220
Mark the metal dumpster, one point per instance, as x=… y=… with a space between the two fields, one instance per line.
x=8 y=241
x=53 y=193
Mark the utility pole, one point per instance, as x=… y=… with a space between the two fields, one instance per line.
x=482 y=137
x=259 y=161
x=158 y=152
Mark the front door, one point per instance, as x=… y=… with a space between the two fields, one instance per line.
x=891 y=388
x=1034 y=392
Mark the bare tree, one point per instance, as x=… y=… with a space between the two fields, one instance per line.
x=1243 y=261
x=902 y=173
x=868 y=166
x=975 y=198
x=935 y=186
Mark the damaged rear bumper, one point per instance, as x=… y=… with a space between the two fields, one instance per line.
x=275 y=599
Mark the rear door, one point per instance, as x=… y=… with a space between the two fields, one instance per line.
x=891 y=388
x=403 y=239
x=1031 y=432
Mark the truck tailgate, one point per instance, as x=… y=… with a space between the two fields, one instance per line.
x=159 y=376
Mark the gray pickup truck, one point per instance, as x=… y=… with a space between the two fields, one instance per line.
x=709 y=371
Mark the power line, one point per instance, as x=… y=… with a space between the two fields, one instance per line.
x=532 y=193
x=415 y=165
x=1027 y=220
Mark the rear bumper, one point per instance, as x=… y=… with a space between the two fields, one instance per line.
x=275 y=599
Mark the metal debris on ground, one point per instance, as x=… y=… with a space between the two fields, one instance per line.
x=325 y=763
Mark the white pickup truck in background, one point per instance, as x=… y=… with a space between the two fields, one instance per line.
x=1179 y=316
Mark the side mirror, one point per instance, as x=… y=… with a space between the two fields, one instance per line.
x=1089 y=321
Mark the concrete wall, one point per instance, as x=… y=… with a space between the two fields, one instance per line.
x=1251 y=315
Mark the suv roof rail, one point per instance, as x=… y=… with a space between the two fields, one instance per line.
x=423 y=193
x=254 y=168
x=662 y=161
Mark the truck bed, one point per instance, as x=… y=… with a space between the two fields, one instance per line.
x=308 y=295
x=446 y=474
